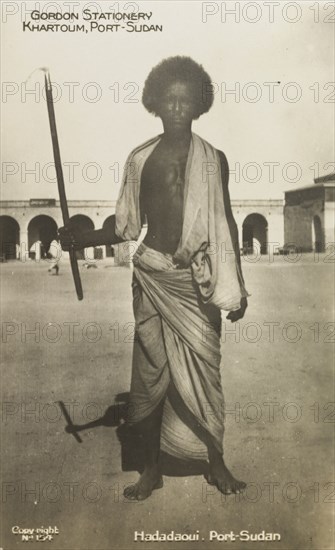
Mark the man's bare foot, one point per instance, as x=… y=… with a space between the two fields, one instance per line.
x=149 y=480
x=220 y=476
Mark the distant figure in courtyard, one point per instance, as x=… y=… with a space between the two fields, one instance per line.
x=54 y=254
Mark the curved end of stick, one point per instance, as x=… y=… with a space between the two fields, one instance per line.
x=45 y=70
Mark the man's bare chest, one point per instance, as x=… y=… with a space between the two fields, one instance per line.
x=163 y=176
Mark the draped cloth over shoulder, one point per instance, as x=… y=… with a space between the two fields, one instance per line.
x=206 y=242
x=177 y=310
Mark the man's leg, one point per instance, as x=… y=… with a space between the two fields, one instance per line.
x=150 y=380
x=151 y=478
x=219 y=474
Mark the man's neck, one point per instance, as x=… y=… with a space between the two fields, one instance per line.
x=177 y=140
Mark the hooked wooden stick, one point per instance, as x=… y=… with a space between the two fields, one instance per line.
x=60 y=179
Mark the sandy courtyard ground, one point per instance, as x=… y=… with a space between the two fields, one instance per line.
x=278 y=382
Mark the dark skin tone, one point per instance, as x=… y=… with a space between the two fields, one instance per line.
x=161 y=201
x=162 y=195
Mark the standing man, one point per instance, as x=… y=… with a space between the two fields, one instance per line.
x=186 y=270
x=55 y=254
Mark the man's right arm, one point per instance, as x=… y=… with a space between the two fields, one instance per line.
x=71 y=236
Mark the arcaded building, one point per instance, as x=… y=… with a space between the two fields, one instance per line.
x=28 y=227
x=304 y=220
x=309 y=215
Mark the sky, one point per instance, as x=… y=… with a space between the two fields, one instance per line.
x=276 y=130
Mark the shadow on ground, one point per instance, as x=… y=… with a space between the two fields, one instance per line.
x=132 y=451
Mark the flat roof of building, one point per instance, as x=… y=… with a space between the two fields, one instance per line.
x=318 y=184
x=325 y=179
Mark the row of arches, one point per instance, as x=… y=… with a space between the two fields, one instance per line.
x=42 y=229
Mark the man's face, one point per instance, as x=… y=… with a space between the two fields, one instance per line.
x=177 y=107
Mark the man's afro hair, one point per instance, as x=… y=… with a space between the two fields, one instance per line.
x=178 y=69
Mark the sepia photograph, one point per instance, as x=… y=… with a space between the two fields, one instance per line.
x=167 y=250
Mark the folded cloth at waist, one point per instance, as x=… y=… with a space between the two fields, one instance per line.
x=150 y=259
x=177 y=345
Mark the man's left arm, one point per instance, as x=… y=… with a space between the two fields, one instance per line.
x=238 y=314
